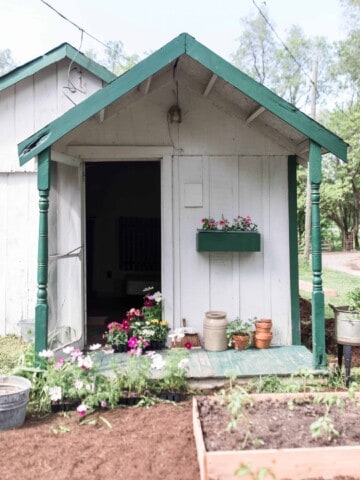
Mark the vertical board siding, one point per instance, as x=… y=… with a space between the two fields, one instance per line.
x=18 y=214
x=25 y=108
x=242 y=284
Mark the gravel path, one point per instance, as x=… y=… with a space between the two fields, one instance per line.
x=348 y=262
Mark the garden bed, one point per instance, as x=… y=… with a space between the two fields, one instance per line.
x=277 y=437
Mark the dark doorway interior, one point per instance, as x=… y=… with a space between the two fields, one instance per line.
x=123 y=239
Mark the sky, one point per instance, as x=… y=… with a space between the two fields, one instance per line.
x=29 y=28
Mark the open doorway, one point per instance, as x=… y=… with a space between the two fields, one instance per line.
x=123 y=239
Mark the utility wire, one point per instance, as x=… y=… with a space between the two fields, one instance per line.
x=284 y=44
x=82 y=30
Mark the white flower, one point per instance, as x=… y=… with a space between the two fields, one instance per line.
x=55 y=393
x=148 y=332
x=82 y=409
x=46 y=354
x=157 y=361
x=157 y=297
x=68 y=350
x=85 y=362
x=79 y=384
x=147 y=289
x=95 y=346
x=183 y=363
x=90 y=387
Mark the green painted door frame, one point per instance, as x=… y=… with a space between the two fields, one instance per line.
x=41 y=309
x=293 y=250
x=318 y=320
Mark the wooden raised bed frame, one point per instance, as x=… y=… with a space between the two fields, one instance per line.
x=292 y=463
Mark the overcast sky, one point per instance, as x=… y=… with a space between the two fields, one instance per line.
x=29 y=28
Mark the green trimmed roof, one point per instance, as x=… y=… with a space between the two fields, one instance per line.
x=184 y=44
x=62 y=51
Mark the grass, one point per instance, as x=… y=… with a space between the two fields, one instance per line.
x=339 y=281
x=11 y=349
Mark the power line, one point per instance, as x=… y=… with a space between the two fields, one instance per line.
x=283 y=44
x=82 y=30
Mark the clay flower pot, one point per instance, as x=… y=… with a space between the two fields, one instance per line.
x=241 y=341
x=262 y=339
x=263 y=325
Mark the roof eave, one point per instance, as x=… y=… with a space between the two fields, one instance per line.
x=64 y=50
x=183 y=44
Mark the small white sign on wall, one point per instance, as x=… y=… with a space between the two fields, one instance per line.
x=193 y=193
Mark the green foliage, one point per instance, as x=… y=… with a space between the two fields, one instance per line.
x=260 y=474
x=239 y=327
x=174 y=377
x=342 y=282
x=136 y=376
x=323 y=427
x=354 y=299
x=12 y=349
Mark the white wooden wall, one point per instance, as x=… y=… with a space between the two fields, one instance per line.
x=25 y=108
x=242 y=284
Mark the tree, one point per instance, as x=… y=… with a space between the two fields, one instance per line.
x=341 y=186
x=115 y=58
x=284 y=69
x=7 y=63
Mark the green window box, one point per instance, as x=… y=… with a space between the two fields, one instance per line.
x=228 y=241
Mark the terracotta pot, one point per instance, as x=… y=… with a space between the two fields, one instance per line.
x=262 y=339
x=263 y=325
x=241 y=341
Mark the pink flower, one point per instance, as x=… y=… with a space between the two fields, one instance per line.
x=82 y=409
x=103 y=404
x=188 y=345
x=132 y=342
x=59 y=363
x=76 y=353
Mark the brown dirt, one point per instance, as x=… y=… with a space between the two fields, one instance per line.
x=284 y=427
x=144 y=443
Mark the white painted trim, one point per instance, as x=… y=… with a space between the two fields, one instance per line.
x=109 y=152
x=66 y=159
x=167 y=240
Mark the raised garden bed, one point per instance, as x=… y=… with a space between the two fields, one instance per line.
x=218 y=450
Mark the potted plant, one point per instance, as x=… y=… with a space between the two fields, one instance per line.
x=222 y=236
x=347 y=320
x=174 y=382
x=238 y=333
x=117 y=335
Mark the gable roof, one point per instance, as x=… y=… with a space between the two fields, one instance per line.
x=182 y=45
x=55 y=55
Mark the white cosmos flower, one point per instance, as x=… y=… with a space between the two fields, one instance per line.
x=95 y=346
x=46 y=354
x=85 y=362
x=55 y=393
x=68 y=350
x=157 y=297
x=157 y=361
x=79 y=384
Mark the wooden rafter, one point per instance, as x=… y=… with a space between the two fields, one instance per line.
x=255 y=114
x=210 y=85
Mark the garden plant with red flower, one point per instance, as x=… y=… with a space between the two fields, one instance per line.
x=240 y=224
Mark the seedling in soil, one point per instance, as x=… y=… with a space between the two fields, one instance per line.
x=261 y=474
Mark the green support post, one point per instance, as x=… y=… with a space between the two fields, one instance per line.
x=318 y=320
x=41 y=309
x=293 y=250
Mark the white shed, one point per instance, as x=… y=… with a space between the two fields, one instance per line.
x=130 y=173
x=31 y=96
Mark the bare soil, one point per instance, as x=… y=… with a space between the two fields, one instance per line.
x=143 y=443
x=285 y=426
